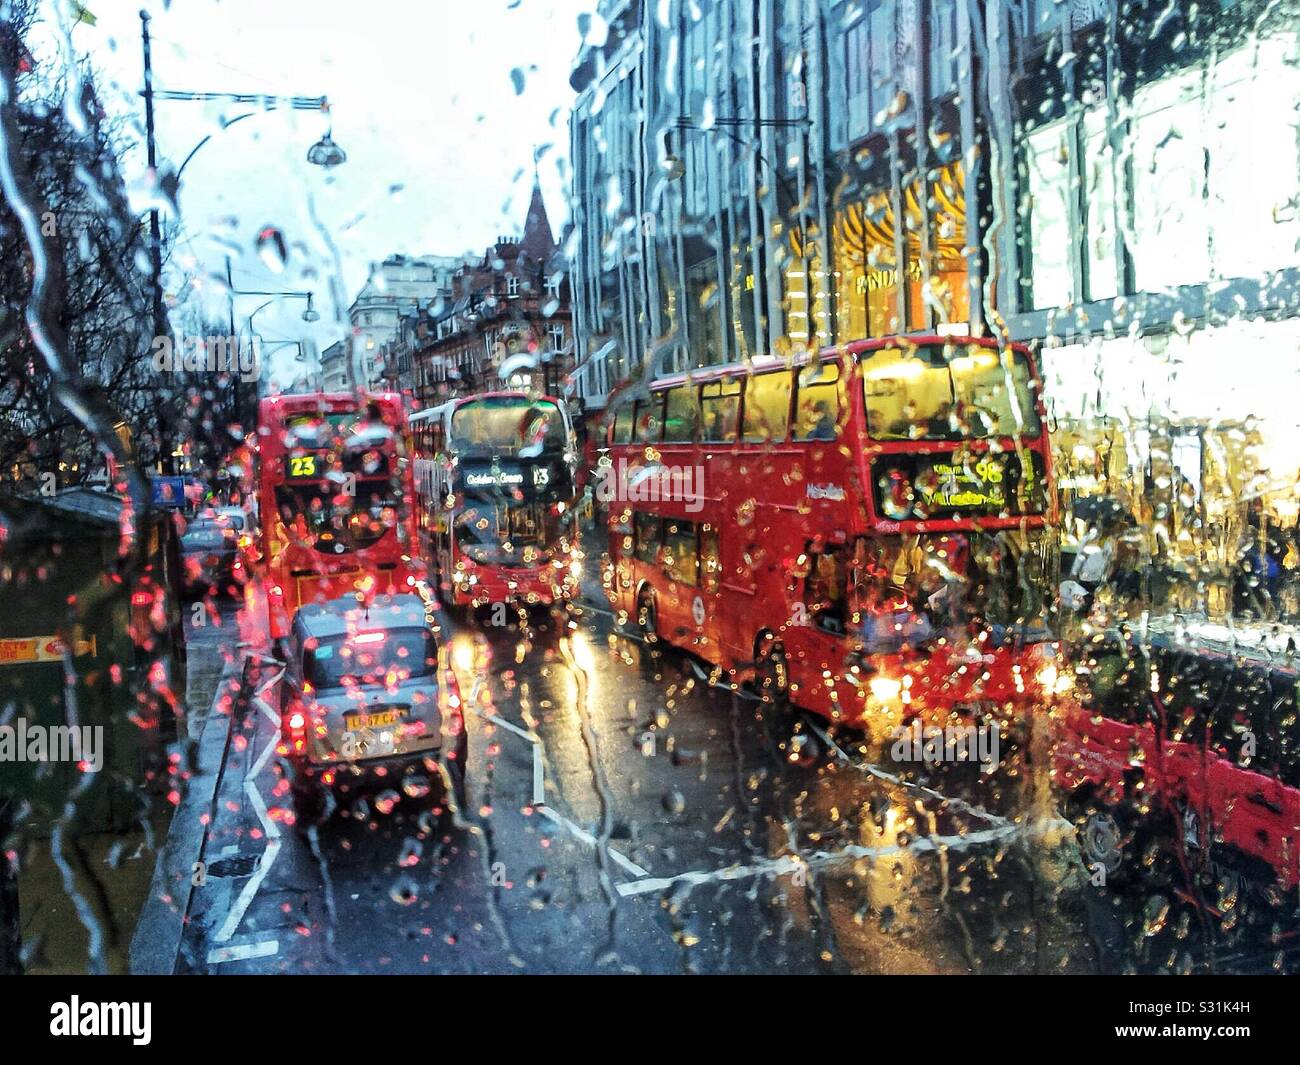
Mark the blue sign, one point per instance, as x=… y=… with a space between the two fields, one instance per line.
x=167 y=491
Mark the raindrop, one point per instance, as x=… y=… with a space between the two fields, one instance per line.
x=272 y=248
x=404 y=891
x=412 y=850
x=517 y=80
x=386 y=801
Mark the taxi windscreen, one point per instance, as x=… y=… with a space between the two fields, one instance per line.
x=370 y=658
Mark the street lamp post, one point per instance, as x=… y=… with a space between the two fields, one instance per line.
x=325 y=153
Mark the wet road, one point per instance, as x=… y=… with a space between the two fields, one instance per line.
x=624 y=816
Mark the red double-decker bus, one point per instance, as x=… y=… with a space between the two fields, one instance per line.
x=496 y=482
x=865 y=529
x=334 y=488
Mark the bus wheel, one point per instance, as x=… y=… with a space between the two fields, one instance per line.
x=647 y=617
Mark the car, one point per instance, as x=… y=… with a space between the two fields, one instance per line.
x=210 y=555
x=371 y=701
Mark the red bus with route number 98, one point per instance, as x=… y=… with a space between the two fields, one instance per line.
x=852 y=530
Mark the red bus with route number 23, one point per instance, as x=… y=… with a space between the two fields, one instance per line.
x=335 y=500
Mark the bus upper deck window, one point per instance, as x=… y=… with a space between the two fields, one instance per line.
x=623 y=425
x=649 y=419
x=720 y=411
x=682 y=415
x=767 y=407
x=817 y=410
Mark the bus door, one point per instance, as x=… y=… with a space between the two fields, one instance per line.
x=817 y=631
x=681 y=608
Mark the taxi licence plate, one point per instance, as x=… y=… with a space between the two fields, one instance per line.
x=379 y=719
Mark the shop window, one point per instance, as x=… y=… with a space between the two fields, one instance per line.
x=703 y=310
x=1170 y=218
x=720 y=403
x=1101 y=247
x=1253 y=158
x=767 y=407
x=1048 y=161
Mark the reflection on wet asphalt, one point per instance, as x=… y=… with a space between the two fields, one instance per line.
x=623 y=815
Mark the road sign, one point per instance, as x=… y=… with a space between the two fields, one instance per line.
x=167 y=491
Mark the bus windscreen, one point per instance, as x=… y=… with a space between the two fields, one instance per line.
x=507 y=426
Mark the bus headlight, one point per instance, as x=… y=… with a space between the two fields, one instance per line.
x=885 y=689
x=1053 y=681
x=575 y=569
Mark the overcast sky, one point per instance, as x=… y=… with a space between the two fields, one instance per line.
x=440 y=144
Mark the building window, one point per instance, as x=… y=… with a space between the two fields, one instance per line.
x=556 y=333
x=1048 y=164
x=553 y=286
x=512 y=285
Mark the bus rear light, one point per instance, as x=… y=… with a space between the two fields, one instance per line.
x=142 y=599
x=297 y=721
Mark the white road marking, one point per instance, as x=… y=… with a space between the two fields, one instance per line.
x=820 y=859
x=621 y=860
x=871 y=769
x=244 y=951
x=269 y=827
x=250 y=889
x=509 y=726
x=539 y=796
x=539 y=777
